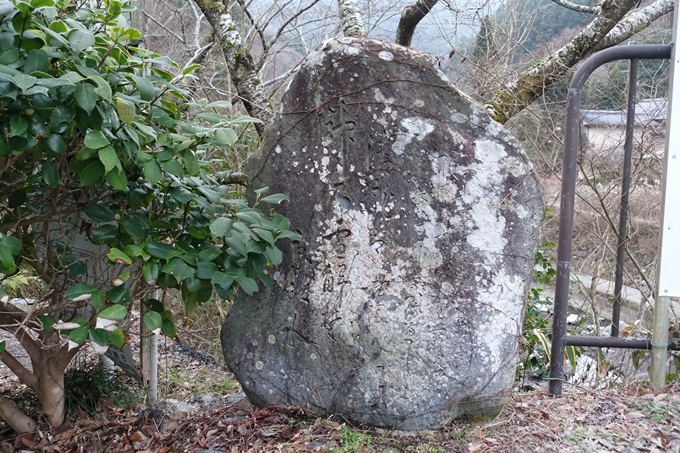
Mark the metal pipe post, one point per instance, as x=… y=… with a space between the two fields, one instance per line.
x=572 y=140
x=625 y=188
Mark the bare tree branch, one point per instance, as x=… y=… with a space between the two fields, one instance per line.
x=635 y=22
x=350 y=18
x=20 y=370
x=291 y=19
x=576 y=7
x=198 y=58
x=410 y=18
x=531 y=83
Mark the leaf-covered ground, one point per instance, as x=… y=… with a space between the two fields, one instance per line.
x=622 y=419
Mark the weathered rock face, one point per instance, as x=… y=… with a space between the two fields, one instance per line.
x=403 y=308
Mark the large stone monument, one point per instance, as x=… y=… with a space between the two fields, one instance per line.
x=403 y=307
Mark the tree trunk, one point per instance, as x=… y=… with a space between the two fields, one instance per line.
x=534 y=81
x=51 y=395
x=410 y=18
x=350 y=18
x=49 y=358
x=240 y=63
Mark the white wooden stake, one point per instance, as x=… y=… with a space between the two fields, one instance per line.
x=149 y=357
x=668 y=280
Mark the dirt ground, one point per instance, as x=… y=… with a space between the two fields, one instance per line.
x=622 y=419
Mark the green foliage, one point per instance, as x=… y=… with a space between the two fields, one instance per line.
x=536 y=339
x=87 y=129
x=352 y=441
x=536 y=22
x=18 y=283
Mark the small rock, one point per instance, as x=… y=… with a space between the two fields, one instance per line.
x=168 y=414
x=203 y=400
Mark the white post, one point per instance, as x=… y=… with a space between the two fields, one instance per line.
x=149 y=357
x=668 y=281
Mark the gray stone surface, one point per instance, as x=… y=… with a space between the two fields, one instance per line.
x=420 y=216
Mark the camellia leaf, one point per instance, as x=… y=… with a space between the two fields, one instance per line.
x=118 y=294
x=117 y=338
x=103 y=89
x=86 y=97
x=18 y=126
x=209 y=254
x=47 y=322
x=264 y=234
x=150 y=272
x=92 y=173
x=168 y=328
x=219 y=104
x=190 y=304
x=116 y=312
x=146 y=89
x=24 y=81
x=221 y=226
x=225 y=136
x=117 y=179
x=275 y=199
x=11 y=244
x=55 y=143
x=97 y=300
x=100 y=213
x=105 y=234
x=126 y=110
x=108 y=157
x=152 y=171
x=159 y=249
x=134 y=227
x=117 y=256
x=152 y=320
x=99 y=336
x=79 y=335
x=173 y=167
x=7 y=265
x=191 y=68
x=80 y=39
x=78 y=290
x=36 y=61
x=247 y=284
x=96 y=139
x=191 y=162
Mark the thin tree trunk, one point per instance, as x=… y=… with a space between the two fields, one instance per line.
x=240 y=63
x=534 y=81
x=47 y=379
x=350 y=18
x=52 y=396
x=410 y=18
